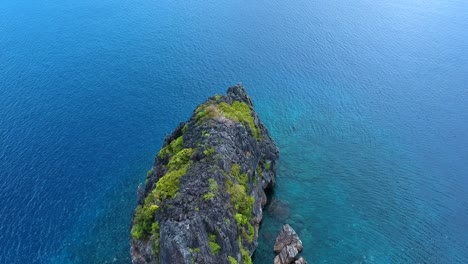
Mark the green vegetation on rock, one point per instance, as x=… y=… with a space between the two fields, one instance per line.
x=232 y=260
x=194 y=250
x=214 y=247
x=144 y=218
x=206 y=111
x=150 y=171
x=242 y=178
x=209 y=152
x=243 y=205
x=204 y=186
x=240 y=112
x=213 y=189
x=166 y=187
x=259 y=171
x=173 y=147
x=237 y=111
x=155 y=236
x=246 y=259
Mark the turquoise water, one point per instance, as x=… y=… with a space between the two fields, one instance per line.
x=367 y=101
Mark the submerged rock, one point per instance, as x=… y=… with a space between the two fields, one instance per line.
x=279 y=209
x=287 y=246
x=203 y=199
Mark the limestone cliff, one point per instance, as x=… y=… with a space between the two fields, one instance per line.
x=203 y=199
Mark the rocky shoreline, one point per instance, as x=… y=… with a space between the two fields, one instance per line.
x=203 y=199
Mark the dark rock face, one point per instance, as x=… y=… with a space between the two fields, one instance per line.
x=287 y=246
x=203 y=199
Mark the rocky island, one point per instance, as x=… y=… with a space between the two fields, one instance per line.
x=203 y=199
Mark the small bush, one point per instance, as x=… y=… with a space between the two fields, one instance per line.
x=175 y=146
x=168 y=185
x=180 y=159
x=213 y=189
x=259 y=171
x=250 y=234
x=213 y=185
x=232 y=260
x=208 y=196
x=242 y=178
x=240 y=200
x=246 y=259
x=214 y=247
x=143 y=219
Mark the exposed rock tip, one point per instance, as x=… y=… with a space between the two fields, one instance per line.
x=203 y=198
x=287 y=246
x=287 y=237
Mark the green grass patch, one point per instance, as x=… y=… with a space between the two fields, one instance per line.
x=240 y=112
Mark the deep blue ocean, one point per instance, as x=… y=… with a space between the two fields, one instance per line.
x=367 y=101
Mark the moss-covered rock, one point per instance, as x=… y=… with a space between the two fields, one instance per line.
x=203 y=198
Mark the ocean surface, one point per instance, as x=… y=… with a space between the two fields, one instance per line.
x=367 y=101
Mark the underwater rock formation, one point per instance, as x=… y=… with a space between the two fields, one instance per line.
x=202 y=201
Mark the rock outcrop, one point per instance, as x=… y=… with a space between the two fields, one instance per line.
x=202 y=201
x=287 y=246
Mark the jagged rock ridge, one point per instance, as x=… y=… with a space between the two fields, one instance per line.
x=203 y=199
